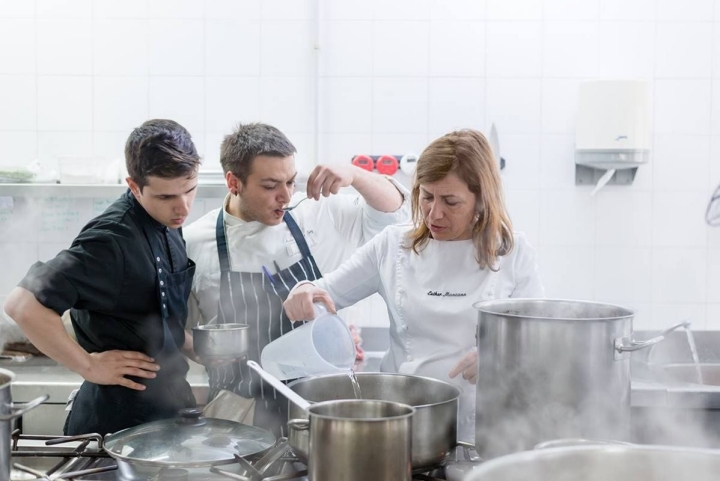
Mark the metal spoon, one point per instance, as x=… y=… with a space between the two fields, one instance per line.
x=287 y=209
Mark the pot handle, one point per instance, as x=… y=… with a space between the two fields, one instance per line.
x=299 y=424
x=17 y=410
x=628 y=344
x=470 y=452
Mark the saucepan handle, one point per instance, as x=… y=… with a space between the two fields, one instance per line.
x=299 y=424
x=470 y=452
x=17 y=410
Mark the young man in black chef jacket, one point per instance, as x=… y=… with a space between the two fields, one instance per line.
x=126 y=279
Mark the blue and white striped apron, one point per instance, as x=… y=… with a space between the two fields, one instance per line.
x=251 y=298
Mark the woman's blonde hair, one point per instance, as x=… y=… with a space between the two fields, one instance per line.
x=467 y=154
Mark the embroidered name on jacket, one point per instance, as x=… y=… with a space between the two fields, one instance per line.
x=446 y=294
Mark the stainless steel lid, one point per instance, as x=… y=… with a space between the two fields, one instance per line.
x=190 y=440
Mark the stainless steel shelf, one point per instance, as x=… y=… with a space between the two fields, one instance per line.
x=91 y=190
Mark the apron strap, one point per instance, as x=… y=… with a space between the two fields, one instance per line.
x=297 y=235
x=221 y=240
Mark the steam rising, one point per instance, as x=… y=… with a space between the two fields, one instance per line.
x=556 y=375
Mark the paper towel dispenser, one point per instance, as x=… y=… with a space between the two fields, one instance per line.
x=613 y=130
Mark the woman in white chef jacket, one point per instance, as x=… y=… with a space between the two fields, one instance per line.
x=460 y=249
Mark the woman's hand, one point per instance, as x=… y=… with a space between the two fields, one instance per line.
x=299 y=304
x=359 y=352
x=467 y=366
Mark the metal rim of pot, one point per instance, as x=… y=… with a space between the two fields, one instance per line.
x=509 y=461
x=487 y=306
x=17 y=409
x=111 y=440
x=393 y=374
x=304 y=424
x=621 y=345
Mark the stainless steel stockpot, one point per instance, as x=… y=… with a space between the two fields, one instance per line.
x=552 y=368
x=434 y=424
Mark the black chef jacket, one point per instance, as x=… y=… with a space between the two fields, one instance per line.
x=109 y=278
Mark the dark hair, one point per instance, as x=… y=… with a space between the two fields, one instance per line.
x=161 y=148
x=468 y=154
x=239 y=149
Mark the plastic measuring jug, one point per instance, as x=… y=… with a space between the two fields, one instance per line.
x=322 y=346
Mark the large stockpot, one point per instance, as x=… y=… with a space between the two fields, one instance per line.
x=602 y=463
x=8 y=412
x=551 y=369
x=358 y=440
x=434 y=424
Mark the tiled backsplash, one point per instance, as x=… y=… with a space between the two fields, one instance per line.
x=77 y=75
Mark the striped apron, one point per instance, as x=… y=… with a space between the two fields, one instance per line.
x=255 y=299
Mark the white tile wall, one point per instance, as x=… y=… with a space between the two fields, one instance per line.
x=76 y=76
x=18 y=38
x=514 y=49
x=684 y=50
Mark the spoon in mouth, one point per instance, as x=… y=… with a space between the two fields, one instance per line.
x=289 y=208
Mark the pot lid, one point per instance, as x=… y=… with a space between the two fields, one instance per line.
x=189 y=440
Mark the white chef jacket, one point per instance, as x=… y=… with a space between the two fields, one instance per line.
x=429 y=298
x=334 y=227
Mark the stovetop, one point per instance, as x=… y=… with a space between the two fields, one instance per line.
x=81 y=458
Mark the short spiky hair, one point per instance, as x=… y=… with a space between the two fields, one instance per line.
x=240 y=148
x=160 y=148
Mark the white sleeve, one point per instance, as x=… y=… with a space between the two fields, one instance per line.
x=359 y=276
x=358 y=222
x=527 y=272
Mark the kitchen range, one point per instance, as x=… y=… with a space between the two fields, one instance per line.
x=134 y=454
x=80 y=458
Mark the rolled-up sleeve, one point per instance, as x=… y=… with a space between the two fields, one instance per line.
x=358 y=222
x=375 y=221
x=88 y=275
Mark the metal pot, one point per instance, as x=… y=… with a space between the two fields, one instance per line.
x=8 y=412
x=435 y=402
x=358 y=440
x=551 y=369
x=219 y=342
x=190 y=442
x=352 y=439
x=600 y=463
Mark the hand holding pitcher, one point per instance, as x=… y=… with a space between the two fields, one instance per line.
x=300 y=304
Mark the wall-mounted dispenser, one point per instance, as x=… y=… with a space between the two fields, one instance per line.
x=613 y=132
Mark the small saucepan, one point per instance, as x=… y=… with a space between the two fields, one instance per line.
x=219 y=342
x=353 y=440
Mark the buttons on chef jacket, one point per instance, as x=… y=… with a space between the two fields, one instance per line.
x=159 y=271
x=405 y=327
x=163 y=294
x=162 y=283
x=157 y=259
x=409 y=358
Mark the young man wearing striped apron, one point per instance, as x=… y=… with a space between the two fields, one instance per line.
x=252 y=251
